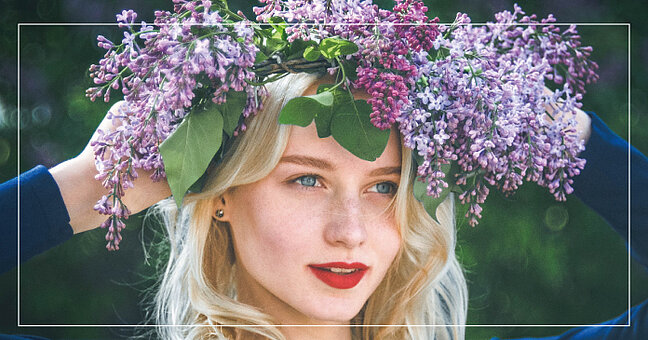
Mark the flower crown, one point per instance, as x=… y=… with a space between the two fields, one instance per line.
x=469 y=100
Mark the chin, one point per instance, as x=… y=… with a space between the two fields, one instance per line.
x=335 y=312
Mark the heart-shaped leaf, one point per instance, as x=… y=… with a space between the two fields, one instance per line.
x=301 y=110
x=351 y=127
x=350 y=69
x=323 y=117
x=420 y=188
x=311 y=53
x=189 y=150
x=260 y=56
x=298 y=47
x=232 y=109
x=429 y=203
x=335 y=47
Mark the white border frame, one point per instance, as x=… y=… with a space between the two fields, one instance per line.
x=19 y=324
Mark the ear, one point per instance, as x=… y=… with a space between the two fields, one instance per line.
x=220 y=208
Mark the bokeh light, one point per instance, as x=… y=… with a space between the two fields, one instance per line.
x=556 y=217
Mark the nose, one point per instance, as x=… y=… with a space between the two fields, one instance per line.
x=346 y=226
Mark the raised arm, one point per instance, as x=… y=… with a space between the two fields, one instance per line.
x=55 y=204
x=81 y=191
x=616 y=173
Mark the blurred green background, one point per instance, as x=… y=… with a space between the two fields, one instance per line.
x=530 y=261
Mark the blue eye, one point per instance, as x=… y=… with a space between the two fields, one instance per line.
x=384 y=188
x=307 y=181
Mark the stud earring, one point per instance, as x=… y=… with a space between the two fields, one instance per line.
x=220 y=213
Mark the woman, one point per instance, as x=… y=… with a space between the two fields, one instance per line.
x=292 y=229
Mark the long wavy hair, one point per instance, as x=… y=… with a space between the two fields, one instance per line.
x=423 y=295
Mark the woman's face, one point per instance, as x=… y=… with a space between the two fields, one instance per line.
x=315 y=237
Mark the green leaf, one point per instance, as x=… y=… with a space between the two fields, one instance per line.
x=298 y=47
x=198 y=185
x=335 y=47
x=270 y=40
x=429 y=203
x=323 y=117
x=311 y=53
x=351 y=127
x=350 y=67
x=275 y=44
x=260 y=56
x=265 y=33
x=420 y=187
x=301 y=110
x=442 y=53
x=189 y=150
x=278 y=24
x=232 y=109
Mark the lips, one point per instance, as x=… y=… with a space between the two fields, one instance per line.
x=340 y=275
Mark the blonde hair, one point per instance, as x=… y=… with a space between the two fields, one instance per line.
x=424 y=286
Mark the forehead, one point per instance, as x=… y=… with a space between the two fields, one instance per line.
x=304 y=141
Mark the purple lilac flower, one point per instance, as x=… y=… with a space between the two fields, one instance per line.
x=481 y=103
x=473 y=96
x=384 y=69
x=158 y=70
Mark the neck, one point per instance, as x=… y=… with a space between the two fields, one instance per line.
x=315 y=333
x=283 y=314
x=304 y=333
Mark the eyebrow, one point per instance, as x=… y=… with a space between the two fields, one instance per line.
x=386 y=171
x=307 y=161
x=324 y=165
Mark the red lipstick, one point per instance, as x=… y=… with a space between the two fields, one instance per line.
x=340 y=275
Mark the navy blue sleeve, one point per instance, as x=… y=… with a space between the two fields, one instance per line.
x=637 y=330
x=44 y=220
x=603 y=185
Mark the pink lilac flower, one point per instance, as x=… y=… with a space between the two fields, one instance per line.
x=384 y=69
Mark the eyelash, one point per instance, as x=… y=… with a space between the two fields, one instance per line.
x=298 y=180
x=392 y=190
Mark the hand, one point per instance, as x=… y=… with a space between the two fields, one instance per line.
x=583 y=120
x=81 y=191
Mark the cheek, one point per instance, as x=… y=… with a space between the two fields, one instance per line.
x=268 y=227
x=387 y=241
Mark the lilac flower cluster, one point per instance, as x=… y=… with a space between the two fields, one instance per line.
x=319 y=19
x=473 y=97
x=481 y=102
x=160 y=69
x=385 y=40
x=563 y=51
